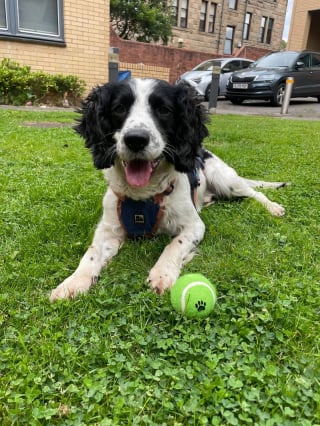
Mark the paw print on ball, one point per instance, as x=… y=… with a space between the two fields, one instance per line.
x=200 y=305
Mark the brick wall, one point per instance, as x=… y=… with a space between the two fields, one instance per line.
x=145 y=71
x=251 y=52
x=148 y=60
x=176 y=61
x=87 y=41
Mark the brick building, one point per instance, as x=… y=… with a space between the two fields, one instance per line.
x=223 y=26
x=62 y=36
x=305 y=25
x=73 y=36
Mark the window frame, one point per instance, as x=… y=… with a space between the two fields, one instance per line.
x=13 y=31
x=179 y=20
x=269 y=30
x=233 y=4
x=5 y=17
x=247 y=26
x=263 y=26
x=211 y=22
x=207 y=16
x=203 y=16
x=175 y=12
x=228 y=42
x=266 y=29
x=184 y=11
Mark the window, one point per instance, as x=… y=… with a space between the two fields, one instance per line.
x=32 y=19
x=269 y=30
x=207 y=16
x=262 y=29
x=184 y=14
x=229 y=41
x=266 y=28
x=232 y=66
x=174 y=7
x=3 y=17
x=203 y=16
x=306 y=59
x=246 y=26
x=315 y=60
x=180 y=13
x=212 y=17
x=233 y=4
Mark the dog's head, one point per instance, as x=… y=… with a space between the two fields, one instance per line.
x=141 y=123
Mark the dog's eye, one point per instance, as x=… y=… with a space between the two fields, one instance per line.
x=164 y=111
x=119 y=110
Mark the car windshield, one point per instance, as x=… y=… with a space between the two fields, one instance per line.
x=276 y=60
x=206 y=66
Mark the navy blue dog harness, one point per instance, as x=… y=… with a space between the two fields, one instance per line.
x=141 y=218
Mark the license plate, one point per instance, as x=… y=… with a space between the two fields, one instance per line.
x=240 y=85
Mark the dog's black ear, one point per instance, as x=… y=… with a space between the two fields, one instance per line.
x=95 y=126
x=190 y=129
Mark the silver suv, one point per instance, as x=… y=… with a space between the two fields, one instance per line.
x=200 y=77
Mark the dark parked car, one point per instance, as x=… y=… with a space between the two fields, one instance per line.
x=200 y=77
x=266 y=78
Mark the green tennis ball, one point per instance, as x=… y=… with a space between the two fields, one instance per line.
x=193 y=295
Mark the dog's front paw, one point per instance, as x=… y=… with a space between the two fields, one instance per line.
x=72 y=286
x=276 y=209
x=160 y=280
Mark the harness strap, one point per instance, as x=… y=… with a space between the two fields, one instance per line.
x=194 y=179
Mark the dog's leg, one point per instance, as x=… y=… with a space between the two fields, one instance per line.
x=224 y=183
x=180 y=251
x=264 y=184
x=241 y=189
x=104 y=247
x=274 y=208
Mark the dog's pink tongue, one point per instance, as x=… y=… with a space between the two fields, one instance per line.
x=138 y=172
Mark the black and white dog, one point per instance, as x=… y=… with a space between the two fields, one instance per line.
x=147 y=137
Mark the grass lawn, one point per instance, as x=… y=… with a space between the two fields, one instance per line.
x=121 y=355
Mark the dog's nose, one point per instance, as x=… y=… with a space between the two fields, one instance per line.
x=136 y=139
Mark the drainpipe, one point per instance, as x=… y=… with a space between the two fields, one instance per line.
x=220 y=29
x=244 y=20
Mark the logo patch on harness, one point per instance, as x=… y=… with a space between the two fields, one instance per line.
x=139 y=219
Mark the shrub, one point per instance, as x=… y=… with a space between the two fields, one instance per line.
x=14 y=83
x=18 y=85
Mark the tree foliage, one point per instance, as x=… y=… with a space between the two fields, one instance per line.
x=142 y=20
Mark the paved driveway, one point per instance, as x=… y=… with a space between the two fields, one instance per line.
x=303 y=108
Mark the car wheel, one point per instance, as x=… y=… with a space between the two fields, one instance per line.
x=318 y=98
x=278 y=95
x=235 y=100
